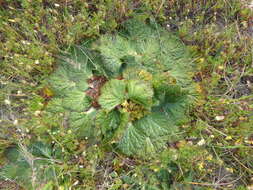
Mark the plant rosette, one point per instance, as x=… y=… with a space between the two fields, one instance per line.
x=133 y=88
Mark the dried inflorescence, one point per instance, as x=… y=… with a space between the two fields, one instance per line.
x=95 y=84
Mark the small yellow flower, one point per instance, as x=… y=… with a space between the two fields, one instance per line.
x=201 y=60
x=231 y=170
x=145 y=75
x=221 y=67
x=11 y=20
x=125 y=103
x=228 y=138
x=199 y=88
x=201 y=165
x=220 y=162
x=209 y=157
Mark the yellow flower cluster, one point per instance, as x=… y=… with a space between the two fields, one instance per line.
x=136 y=111
x=144 y=75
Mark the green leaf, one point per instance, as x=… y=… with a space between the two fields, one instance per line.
x=12 y=154
x=174 y=103
x=20 y=172
x=28 y=164
x=80 y=80
x=140 y=92
x=72 y=73
x=55 y=105
x=124 y=121
x=176 y=111
x=154 y=125
x=60 y=81
x=132 y=140
x=137 y=29
x=169 y=93
x=48 y=186
x=76 y=101
x=174 y=93
x=113 y=49
x=41 y=150
x=78 y=68
x=82 y=123
x=132 y=73
x=77 y=61
x=147 y=135
x=108 y=121
x=112 y=94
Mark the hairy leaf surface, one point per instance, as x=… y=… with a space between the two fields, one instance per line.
x=76 y=100
x=140 y=92
x=82 y=122
x=113 y=94
x=145 y=133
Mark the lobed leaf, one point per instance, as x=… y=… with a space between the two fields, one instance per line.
x=140 y=92
x=76 y=101
x=113 y=93
x=108 y=122
x=145 y=135
x=82 y=123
